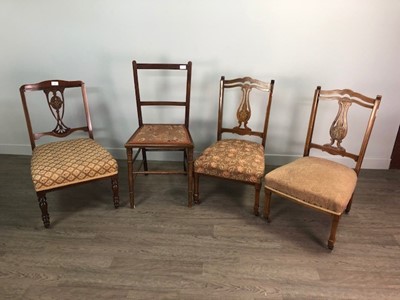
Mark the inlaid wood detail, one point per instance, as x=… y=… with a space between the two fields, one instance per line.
x=56 y=105
x=339 y=127
x=243 y=113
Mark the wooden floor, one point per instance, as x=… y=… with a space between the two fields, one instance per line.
x=216 y=250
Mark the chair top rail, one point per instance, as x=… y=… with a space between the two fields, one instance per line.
x=51 y=84
x=162 y=66
x=254 y=83
x=348 y=95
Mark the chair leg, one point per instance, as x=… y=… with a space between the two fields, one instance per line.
x=144 y=155
x=43 y=207
x=196 y=188
x=190 y=176
x=185 y=161
x=332 y=237
x=130 y=177
x=257 y=199
x=115 y=188
x=267 y=204
x=348 y=207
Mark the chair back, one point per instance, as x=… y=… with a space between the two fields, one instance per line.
x=244 y=110
x=54 y=94
x=165 y=69
x=339 y=127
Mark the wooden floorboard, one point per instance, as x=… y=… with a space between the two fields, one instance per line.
x=216 y=250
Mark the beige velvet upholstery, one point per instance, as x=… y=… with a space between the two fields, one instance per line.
x=69 y=162
x=234 y=159
x=320 y=182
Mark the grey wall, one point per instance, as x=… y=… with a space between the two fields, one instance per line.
x=301 y=44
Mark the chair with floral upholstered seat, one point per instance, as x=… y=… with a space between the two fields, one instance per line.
x=238 y=153
x=65 y=162
x=162 y=92
x=319 y=182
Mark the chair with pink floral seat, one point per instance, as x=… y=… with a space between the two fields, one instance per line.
x=319 y=182
x=239 y=156
x=157 y=130
x=66 y=162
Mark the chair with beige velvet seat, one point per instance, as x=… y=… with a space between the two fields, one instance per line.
x=236 y=157
x=66 y=162
x=320 y=183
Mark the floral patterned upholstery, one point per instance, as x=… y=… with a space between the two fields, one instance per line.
x=233 y=159
x=161 y=134
x=68 y=162
x=314 y=180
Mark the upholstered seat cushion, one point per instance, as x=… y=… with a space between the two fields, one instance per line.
x=68 y=162
x=153 y=134
x=317 y=181
x=233 y=159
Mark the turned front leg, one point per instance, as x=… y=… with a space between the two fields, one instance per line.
x=115 y=189
x=332 y=237
x=130 y=176
x=43 y=208
x=190 y=176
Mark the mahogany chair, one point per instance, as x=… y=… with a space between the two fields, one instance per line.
x=319 y=183
x=160 y=135
x=66 y=162
x=240 y=157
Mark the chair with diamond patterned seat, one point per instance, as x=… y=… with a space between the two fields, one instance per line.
x=65 y=161
x=319 y=182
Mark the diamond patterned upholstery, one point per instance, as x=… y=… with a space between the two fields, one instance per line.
x=69 y=162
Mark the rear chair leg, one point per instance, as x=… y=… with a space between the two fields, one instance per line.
x=348 y=207
x=257 y=199
x=145 y=165
x=267 y=204
x=196 y=188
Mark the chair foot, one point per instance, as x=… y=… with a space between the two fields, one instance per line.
x=196 y=199
x=131 y=199
x=267 y=218
x=330 y=244
x=256 y=212
x=46 y=221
